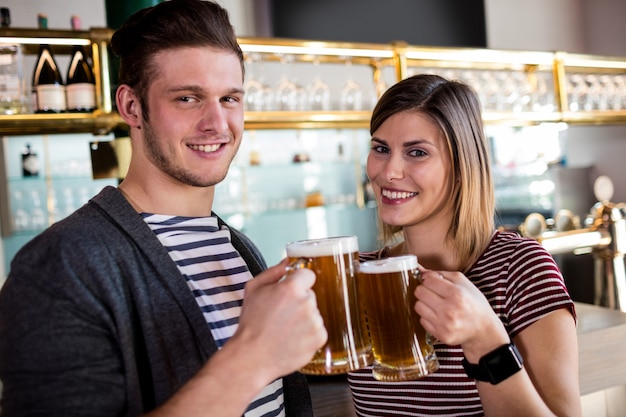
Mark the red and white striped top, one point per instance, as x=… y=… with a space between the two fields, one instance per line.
x=522 y=283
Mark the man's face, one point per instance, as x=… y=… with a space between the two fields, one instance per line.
x=195 y=121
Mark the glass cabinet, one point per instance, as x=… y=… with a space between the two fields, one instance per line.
x=96 y=41
x=516 y=87
x=45 y=159
x=308 y=105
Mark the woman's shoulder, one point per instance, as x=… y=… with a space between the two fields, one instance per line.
x=511 y=241
x=509 y=251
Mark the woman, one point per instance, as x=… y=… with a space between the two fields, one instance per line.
x=485 y=294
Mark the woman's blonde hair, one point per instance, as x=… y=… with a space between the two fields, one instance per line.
x=455 y=108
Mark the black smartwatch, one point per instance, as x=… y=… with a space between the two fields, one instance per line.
x=495 y=366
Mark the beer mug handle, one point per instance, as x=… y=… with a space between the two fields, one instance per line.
x=299 y=263
x=417 y=275
x=430 y=339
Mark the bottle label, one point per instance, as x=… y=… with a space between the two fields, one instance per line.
x=30 y=165
x=51 y=97
x=81 y=96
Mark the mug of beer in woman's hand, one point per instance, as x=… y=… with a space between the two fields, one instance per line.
x=401 y=347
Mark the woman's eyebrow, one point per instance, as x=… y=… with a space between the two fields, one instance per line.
x=404 y=145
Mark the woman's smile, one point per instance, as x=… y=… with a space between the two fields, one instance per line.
x=395 y=196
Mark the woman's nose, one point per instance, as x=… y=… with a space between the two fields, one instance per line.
x=394 y=170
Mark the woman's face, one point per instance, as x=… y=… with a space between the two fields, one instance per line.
x=411 y=173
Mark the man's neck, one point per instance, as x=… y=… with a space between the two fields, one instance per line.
x=178 y=201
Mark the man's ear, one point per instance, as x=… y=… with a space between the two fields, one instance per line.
x=128 y=106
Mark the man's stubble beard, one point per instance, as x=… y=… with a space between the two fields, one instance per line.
x=159 y=158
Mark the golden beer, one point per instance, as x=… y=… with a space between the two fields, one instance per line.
x=335 y=262
x=400 y=345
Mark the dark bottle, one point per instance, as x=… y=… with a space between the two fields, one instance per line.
x=5 y=17
x=81 y=83
x=48 y=88
x=30 y=162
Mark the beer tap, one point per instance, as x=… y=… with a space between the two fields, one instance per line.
x=603 y=235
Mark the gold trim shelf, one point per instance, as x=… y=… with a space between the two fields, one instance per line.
x=307 y=119
x=44 y=123
x=556 y=68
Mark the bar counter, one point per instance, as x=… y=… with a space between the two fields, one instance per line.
x=602 y=362
x=601 y=348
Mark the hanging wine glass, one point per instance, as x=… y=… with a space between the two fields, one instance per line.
x=592 y=88
x=318 y=92
x=576 y=92
x=620 y=91
x=607 y=93
x=490 y=90
x=539 y=91
x=287 y=93
x=521 y=83
x=258 y=95
x=351 y=94
x=507 y=91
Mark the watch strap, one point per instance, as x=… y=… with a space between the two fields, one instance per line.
x=495 y=366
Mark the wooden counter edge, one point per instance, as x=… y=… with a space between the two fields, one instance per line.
x=601 y=347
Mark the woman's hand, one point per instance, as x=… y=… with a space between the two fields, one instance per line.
x=453 y=310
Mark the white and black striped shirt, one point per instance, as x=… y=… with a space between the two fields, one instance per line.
x=216 y=274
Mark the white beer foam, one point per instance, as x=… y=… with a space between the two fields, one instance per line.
x=322 y=247
x=385 y=265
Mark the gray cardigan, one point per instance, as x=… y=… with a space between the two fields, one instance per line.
x=95 y=319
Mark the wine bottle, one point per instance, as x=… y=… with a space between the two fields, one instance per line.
x=48 y=88
x=81 y=83
x=30 y=162
x=5 y=17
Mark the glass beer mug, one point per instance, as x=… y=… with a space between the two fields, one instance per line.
x=402 y=349
x=335 y=262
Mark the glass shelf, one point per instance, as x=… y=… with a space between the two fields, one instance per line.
x=397 y=56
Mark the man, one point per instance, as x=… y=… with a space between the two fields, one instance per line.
x=135 y=303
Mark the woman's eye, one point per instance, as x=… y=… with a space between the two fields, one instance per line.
x=380 y=149
x=417 y=153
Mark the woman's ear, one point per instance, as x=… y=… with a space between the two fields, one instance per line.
x=128 y=106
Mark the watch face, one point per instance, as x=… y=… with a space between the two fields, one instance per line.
x=502 y=363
